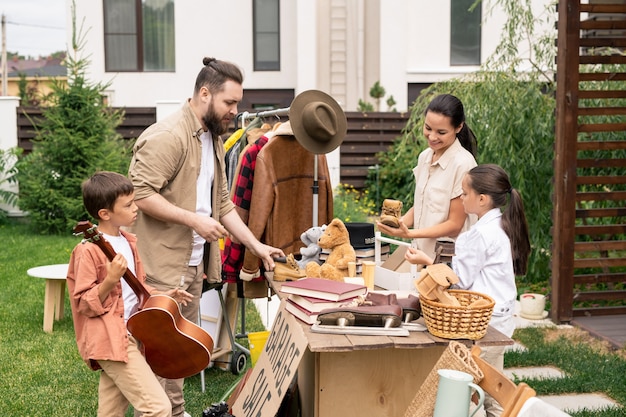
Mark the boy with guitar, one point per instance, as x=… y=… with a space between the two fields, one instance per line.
x=102 y=302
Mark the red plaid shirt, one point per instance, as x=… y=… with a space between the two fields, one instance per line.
x=234 y=252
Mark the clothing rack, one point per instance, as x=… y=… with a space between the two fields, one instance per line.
x=267 y=113
x=315 y=189
x=285 y=112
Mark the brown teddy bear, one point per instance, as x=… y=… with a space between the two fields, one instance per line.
x=337 y=239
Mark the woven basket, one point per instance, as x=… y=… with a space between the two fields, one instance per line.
x=458 y=322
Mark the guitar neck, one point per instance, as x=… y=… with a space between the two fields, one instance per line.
x=140 y=291
x=91 y=234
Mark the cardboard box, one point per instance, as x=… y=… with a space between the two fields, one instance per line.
x=396 y=273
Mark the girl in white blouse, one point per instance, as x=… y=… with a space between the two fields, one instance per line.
x=492 y=252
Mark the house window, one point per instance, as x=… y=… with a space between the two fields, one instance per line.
x=465 y=33
x=139 y=35
x=266 y=33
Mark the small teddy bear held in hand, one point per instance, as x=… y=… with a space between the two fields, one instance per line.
x=337 y=239
x=311 y=253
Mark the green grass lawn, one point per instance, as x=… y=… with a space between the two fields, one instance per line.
x=42 y=374
x=590 y=366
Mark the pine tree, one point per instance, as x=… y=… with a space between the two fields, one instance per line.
x=377 y=92
x=76 y=138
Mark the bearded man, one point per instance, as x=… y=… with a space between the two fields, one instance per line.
x=179 y=176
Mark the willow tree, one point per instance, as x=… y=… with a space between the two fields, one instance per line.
x=509 y=104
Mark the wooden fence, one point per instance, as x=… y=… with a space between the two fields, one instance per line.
x=136 y=119
x=368 y=134
x=589 y=250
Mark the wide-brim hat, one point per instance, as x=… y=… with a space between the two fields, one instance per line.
x=318 y=122
x=361 y=235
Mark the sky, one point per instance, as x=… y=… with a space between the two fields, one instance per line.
x=35 y=27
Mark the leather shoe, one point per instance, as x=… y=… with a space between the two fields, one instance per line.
x=378 y=299
x=411 y=308
x=391 y=212
x=289 y=270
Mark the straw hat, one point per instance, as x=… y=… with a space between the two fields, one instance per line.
x=318 y=122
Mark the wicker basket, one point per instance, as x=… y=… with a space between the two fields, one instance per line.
x=458 y=322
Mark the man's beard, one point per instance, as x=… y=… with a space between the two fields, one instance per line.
x=213 y=121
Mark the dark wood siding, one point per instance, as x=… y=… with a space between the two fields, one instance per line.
x=368 y=134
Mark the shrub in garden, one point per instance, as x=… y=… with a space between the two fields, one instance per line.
x=353 y=206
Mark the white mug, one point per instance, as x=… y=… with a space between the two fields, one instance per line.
x=454 y=394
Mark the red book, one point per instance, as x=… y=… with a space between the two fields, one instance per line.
x=323 y=289
x=315 y=305
x=301 y=313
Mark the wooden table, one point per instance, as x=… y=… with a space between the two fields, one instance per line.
x=54 y=300
x=348 y=375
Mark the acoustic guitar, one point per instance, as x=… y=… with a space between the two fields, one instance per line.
x=174 y=347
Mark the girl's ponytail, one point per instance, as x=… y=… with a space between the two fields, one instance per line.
x=515 y=226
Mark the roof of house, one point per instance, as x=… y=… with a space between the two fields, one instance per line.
x=45 y=67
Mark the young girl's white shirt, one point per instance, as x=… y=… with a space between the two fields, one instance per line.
x=484 y=263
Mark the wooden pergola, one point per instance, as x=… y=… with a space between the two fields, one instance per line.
x=589 y=227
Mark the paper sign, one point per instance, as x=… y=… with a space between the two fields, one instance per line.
x=274 y=370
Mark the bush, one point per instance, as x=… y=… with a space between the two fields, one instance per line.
x=352 y=206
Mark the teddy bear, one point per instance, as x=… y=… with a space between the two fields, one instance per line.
x=312 y=250
x=337 y=239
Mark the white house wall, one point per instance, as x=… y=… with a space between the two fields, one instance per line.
x=398 y=18
x=203 y=28
x=338 y=46
x=428 y=52
x=303 y=32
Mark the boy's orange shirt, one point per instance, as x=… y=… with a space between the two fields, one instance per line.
x=100 y=329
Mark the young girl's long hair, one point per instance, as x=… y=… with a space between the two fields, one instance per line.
x=492 y=180
x=452 y=107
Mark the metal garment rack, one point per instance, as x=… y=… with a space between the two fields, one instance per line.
x=315 y=188
x=267 y=113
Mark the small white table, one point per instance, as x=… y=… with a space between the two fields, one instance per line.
x=54 y=301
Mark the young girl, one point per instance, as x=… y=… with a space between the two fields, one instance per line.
x=492 y=252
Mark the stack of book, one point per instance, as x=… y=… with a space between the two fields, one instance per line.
x=308 y=296
x=365 y=254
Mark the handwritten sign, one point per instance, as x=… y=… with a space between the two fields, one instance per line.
x=274 y=370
